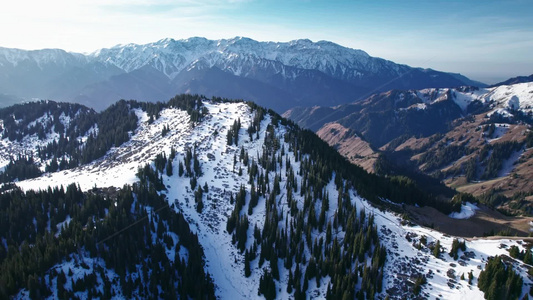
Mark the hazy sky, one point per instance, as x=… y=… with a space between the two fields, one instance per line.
x=485 y=40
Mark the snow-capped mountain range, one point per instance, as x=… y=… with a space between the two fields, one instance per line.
x=276 y=75
x=240 y=55
x=225 y=168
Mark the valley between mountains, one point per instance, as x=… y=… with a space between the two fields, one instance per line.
x=210 y=198
x=475 y=140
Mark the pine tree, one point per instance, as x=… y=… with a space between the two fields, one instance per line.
x=436 y=249
x=169 y=168
x=274 y=265
x=290 y=282
x=528 y=258
x=180 y=169
x=247 y=271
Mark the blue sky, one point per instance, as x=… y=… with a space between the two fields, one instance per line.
x=485 y=40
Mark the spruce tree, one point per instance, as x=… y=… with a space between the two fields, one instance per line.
x=436 y=249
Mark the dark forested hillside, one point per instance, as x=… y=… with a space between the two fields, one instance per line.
x=131 y=231
x=43 y=118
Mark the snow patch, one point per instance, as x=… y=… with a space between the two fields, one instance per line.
x=60 y=225
x=509 y=164
x=500 y=130
x=468 y=210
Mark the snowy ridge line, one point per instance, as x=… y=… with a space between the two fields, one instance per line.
x=172 y=56
x=235 y=55
x=502 y=99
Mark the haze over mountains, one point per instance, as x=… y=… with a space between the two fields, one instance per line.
x=275 y=75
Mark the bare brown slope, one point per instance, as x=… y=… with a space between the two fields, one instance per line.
x=472 y=134
x=485 y=221
x=355 y=149
x=519 y=180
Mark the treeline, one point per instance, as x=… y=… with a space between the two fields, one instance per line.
x=370 y=186
x=515 y=203
x=191 y=103
x=131 y=230
x=499 y=281
x=20 y=120
x=114 y=126
x=20 y=168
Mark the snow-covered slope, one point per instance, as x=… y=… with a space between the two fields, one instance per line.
x=221 y=164
x=443 y=274
x=504 y=98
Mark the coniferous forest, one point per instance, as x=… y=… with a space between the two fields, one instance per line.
x=131 y=231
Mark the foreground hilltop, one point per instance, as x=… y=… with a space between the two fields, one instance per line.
x=208 y=198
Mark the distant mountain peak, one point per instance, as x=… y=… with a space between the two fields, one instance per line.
x=515 y=80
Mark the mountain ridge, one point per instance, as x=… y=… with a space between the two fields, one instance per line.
x=337 y=74
x=450 y=134
x=515 y=80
